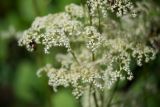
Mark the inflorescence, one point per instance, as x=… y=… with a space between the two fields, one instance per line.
x=106 y=50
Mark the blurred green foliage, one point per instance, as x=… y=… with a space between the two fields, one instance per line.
x=19 y=85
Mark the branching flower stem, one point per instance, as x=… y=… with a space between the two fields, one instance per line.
x=90 y=16
x=95 y=99
x=99 y=19
x=94 y=94
x=89 y=98
x=83 y=4
x=112 y=94
x=74 y=56
x=93 y=56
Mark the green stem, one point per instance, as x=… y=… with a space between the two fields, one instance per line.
x=93 y=56
x=94 y=94
x=49 y=97
x=82 y=2
x=72 y=52
x=90 y=17
x=35 y=5
x=95 y=99
x=74 y=56
x=99 y=18
x=90 y=97
x=102 y=94
x=112 y=94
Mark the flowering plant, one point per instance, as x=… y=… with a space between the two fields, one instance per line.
x=108 y=47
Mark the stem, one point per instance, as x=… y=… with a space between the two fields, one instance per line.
x=94 y=94
x=99 y=19
x=82 y=2
x=35 y=5
x=93 y=56
x=95 y=99
x=89 y=97
x=90 y=17
x=102 y=94
x=112 y=94
x=83 y=5
x=74 y=56
x=49 y=95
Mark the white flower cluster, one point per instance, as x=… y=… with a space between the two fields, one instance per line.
x=106 y=49
x=93 y=38
x=78 y=77
x=120 y=7
x=143 y=54
x=118 y=61
x=96 y=5
x=52 y=30
x=119 y=56
x=74 y=10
